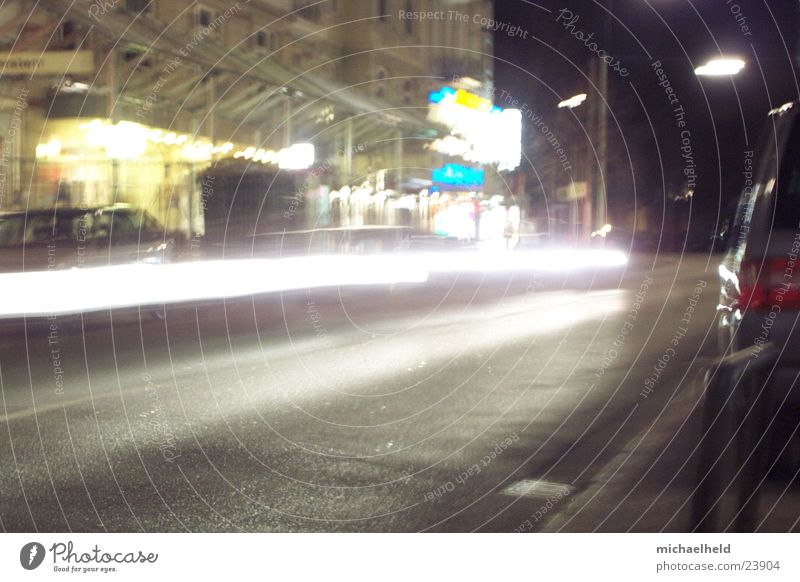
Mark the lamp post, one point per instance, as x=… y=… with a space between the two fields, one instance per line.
x=598 y=130
x=580 y=212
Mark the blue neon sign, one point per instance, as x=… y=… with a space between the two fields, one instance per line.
x=458 y=175
x=439 y=96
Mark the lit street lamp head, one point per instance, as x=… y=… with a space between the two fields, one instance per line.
x=573 y=101
x=720 y=67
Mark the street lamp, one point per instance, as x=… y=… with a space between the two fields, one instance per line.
x=573 y=101
x=581 y=211
x=720 y=67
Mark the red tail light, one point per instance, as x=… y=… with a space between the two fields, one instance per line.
x=764 y=283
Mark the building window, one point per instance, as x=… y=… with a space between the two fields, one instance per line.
x=381 y=77
x=261 y=39
x=67 y=28
x=137 y=6
x=409 y=22
x=204 y=17
x=307 y=10
x=383 y=10
x=66 y=34
x=408 y=89
x=135 y=57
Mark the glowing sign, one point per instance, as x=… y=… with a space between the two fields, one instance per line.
x=448 y=95
x=481 y=133
x=472 y=101
x=443 y=94
x=457 y=175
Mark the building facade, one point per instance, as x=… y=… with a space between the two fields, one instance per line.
x=142 y=101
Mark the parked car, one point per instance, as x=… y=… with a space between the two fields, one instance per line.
x=63 y=238
x=760 y=270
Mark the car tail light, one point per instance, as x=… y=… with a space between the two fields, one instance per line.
x=764 y=283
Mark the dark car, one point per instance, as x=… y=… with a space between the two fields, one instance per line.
x=760 y=271
x=64 y=238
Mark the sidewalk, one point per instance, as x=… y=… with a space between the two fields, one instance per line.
x=648 y=486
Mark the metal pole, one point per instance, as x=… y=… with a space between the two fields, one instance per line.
x=287 y=123
x=602 y=144
x=399 y=159
x=112 y=97
x=601 y=217
x=591 y=169
x=348 y=149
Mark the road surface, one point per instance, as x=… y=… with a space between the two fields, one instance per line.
x=517 y=402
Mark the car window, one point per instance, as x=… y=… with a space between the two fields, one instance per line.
x=150 y=224
x=11 y=229
x=64 y=227
x=123 y=226
x=101 y=227
x=762 y=169
x=81 y=227
x=146 y=227
x=787 y=201
x=39 y=228
x=741 y=221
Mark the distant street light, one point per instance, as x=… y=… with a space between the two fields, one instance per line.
x=573 y=101
x=603 y=231
x=720 y=67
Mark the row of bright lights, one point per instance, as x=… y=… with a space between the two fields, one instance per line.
x=126 y=140
x=298 y=156
x=91 y=289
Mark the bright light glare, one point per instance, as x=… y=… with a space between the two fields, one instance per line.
x=603 y=231
x=573 y=102
x=124 y=140
x=50 y=149
x=552 y=260
x=98 y=288
x=720 y=67
x=480 y=132
x=728 y=276
x=299 y=156
x=782 y=109
x=129 y=285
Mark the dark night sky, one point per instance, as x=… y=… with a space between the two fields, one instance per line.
x=724 y=115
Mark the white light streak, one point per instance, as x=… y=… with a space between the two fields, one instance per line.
x=90 y=289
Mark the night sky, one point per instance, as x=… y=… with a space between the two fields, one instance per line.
x=723 y=115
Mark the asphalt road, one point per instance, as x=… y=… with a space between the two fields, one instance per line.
x=495 y=403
